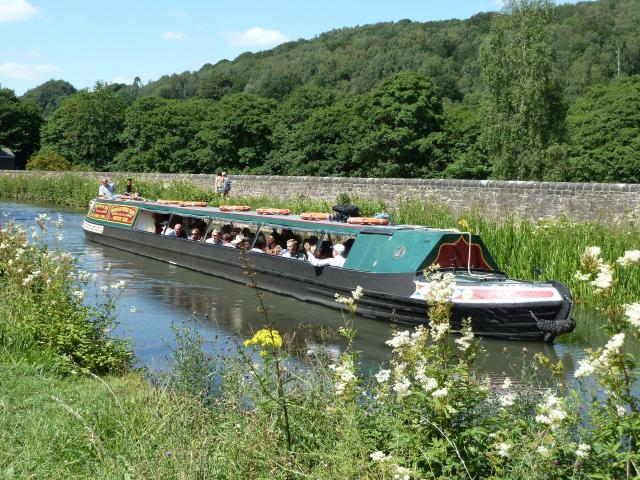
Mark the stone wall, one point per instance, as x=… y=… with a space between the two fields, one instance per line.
x=495 y=199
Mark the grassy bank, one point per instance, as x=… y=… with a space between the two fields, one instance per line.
x=519 y=246
x=70 y=407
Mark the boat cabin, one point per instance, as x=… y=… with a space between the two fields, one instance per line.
x=369 y=248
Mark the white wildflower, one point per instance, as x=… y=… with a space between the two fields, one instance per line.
x=439 y=331
x=104 y=288
x=630 y=257
x=614 y=345
x=344 y=375
x=583 y=450
x=583 y=277
x=107 y=267
x=507 y=399
x=35 y=236
x=604 y=278
x=442 y=392
x=632 y=313
x=506 y=384
x=502 y=449
x=402 y=473
x=585 y=369
x=427 y=383
x=402 y=387
x=118 y=285
x=593 y=252
x=441 y=288
x=379 y=456
x=464 y=342
x=59 y=237
x=398 y=369
x=418 y=334
x=79 y=294
x=357 y=293
x=344 y=300
x=552 y=412
x=133 y=309
x=400 y=339
x=383 y=376
x=543 y=451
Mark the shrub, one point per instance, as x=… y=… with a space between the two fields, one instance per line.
x=48 y=161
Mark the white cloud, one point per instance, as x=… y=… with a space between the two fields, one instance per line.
x=23 y=71
x=173 y=35
x=178 y=13
x=498 y=3
x=15 y=10
x=255 y=37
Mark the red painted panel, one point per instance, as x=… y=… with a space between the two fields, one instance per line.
x=456 y=255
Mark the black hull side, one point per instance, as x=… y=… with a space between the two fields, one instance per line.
x=386 y=295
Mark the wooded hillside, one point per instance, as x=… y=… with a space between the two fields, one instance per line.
x=391 y=99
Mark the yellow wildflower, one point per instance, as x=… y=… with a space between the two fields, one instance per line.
x=267 y=339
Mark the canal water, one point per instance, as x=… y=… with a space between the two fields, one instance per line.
x=159 y=296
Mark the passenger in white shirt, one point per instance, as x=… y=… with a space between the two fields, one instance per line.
x=106 y=188
x=336 y=261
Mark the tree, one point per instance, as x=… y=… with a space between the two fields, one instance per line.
x=400 y=120
x=160 y=136
x=525 y=110
x=604 y=130
x=49 y=95
x=237 y=136
x=465 y=156
x=20 y=123
x=86 y=127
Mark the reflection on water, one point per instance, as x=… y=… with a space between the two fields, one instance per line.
x=164 y=294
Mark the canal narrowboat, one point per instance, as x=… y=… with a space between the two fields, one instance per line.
x=387 y=261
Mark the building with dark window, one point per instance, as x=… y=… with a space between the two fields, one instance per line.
x=7 y=159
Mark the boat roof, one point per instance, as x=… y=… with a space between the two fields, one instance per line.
x=378 y=248
x=289 y=221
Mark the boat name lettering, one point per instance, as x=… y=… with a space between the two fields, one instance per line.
x=123 y=214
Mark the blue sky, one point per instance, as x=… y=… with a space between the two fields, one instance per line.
x=84 y=41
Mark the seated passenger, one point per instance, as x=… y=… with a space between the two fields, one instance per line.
x=324 y=251
x=259 y=246
x=272 y=247
x=226 y=241
x=337 y=260
x=292 y=251
x=195 y=235
x=244 y=244
x=165 y=229
x=177 y=231
x=215 y=238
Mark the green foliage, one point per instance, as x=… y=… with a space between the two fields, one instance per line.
x=237 y=136
x=42 y=305
x=160 y=136
x=604 y=129
x=44 y=160
x=399 y=121
x=19 y=125
x=464 y=154
x=522 y=97
x=85 y=128
x=368 y=101
x=49 y=95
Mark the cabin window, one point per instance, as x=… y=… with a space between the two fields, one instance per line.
x=148 y=221
x=272 y=239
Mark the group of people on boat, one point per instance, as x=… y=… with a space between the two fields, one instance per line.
x=285 y=243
